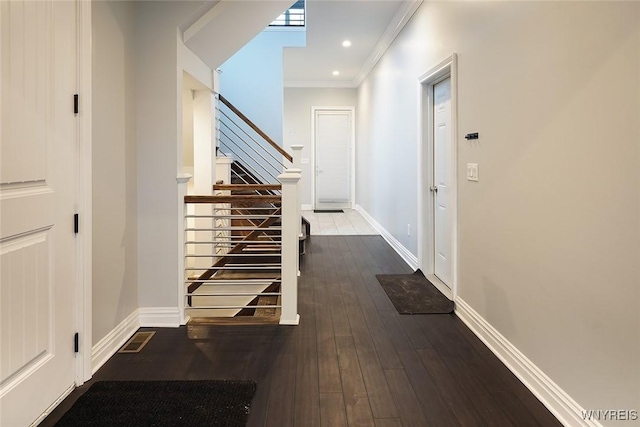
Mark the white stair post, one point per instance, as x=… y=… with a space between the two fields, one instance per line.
x=290 y=229
x=297 y=166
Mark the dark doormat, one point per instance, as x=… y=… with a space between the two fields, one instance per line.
x=162 y=403
x=414 y=294
x=328 y=211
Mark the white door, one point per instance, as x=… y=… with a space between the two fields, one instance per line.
x=333 y=139
x=442 y=180
x=38 y=167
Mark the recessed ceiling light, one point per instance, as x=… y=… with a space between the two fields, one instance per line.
x=336 y=73
x=346 y=43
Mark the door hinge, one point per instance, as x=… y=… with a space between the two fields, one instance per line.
x=76 y=102
x=76 y=223
x=76 y=344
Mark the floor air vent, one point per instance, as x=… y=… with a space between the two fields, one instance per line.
x=137 y=342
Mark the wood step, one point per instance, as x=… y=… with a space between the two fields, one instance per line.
x=267 y=312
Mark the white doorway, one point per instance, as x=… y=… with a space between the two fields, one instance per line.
x=333 y=136
x=437 y=251
x=44 y=295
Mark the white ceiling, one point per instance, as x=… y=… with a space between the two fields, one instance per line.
x=370 y=25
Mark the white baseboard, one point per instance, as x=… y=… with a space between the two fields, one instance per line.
x=561 y=405
x=159 y=317
x=406 y=255
x=306 y=207
x=107 y=346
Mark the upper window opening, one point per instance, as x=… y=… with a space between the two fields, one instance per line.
x=292 y=17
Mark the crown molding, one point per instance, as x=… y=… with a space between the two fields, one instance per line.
x=398 y=22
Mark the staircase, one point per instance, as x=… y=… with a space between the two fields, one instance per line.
x=242 y=243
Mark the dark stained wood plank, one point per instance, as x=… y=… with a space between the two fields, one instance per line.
x=379 y=338
x=353 y=388
x=328 y=370
x=382 y=404
x=336 y=276
x=307 y=395
x=423 y=384
x=462 y=362
x=281 y=402
x=411 y=412
x=414 y=331
x=332 y=411
x=452 y=394
x=515 y=409
x=388 y=422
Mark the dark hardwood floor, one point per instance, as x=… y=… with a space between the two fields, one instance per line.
x=352 y=361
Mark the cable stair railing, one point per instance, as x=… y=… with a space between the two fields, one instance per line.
x=242 y=242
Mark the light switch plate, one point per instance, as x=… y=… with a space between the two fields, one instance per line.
x=472 y=172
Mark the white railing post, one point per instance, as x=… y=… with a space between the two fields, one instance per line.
x=182 y=179
x=290 y=230
x=297 y=166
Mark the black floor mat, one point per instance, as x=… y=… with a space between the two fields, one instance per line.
x=414 y=294
x=328 y=211
x=162 y=403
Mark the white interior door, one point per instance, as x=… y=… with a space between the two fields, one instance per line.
x=333 y=139
x=38 y=167
x=442 y=180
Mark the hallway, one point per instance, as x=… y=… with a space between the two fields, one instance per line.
x=352 y=360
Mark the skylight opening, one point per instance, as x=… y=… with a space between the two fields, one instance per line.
x=292 y=17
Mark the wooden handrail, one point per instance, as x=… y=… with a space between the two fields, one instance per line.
x=256 y=129
x=247 y=187
x=257 y=198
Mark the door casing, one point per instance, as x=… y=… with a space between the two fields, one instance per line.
x=426 y=248
x=352 y=144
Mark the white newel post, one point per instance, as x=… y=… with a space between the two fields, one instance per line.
x=290 y=229
x=297 y=166
x=182 y=179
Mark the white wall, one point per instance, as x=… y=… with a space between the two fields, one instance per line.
x=549 y=238
x=297 y=123
x=115 y=258
x=252 y=79
x=159 y=94
x=187 y=129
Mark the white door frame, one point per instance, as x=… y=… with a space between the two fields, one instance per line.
x=84 y=238
x=352 y=153
x=448 y=68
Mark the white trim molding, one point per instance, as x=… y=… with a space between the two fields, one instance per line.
x=159 y=317
x=84 y=297
x=561 y=405
x=405 y=254
x=111 y=343
x=306 y=207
